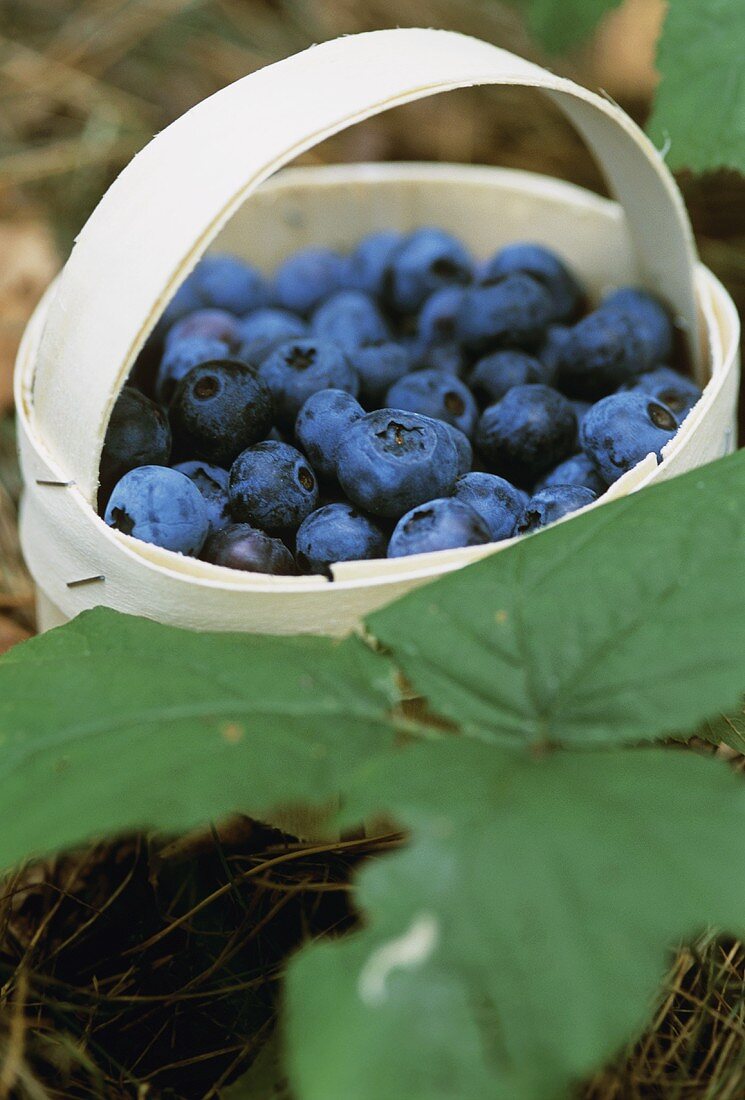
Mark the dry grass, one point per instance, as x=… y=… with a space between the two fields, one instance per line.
x=695 y=1046
x=129 y=970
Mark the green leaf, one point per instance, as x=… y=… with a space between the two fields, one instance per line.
x=560 y=24
x=625 y=623
x=519 y=939
x=699 y=110
x=113 y=722
x=729 y=728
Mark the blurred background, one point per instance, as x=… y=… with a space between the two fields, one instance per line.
x=85 y=83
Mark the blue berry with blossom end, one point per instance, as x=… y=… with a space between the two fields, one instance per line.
x=206 y=324
x=578 y=470
x=180 y=357
x=499 y=503
x=391 y=460
x=427 y=260
x=670 y=387
x=138 y=434
x=553 y=503
x=526 y=433
x=651 y=320
x=272 y=486
x=438 y=320
x=441 y=524
x=350 y=319
x=621 y=430
x=513 y=313
x=321 y=425
x=212 y=482
x=337 y=532
x=220 y=408
x=307 y=278
x=264 y=330
x=161 y=506
x=545 y=267
x=227 y=282
x=600 y=353
x=241 y=546
x=493 y=375
x=300 y=368
x=437 y=394
x=371 y=260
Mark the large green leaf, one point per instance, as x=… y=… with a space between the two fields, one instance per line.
x=113 y=722
x=559 y=24
x=699 y=110
x=729 y=728
x=625 y=623
x=520 y=938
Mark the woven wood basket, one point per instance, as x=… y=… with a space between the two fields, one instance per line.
x=187 y=191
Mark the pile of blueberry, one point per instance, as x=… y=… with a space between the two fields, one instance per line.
x=397 y=400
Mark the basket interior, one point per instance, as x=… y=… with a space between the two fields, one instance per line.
x=487 y=207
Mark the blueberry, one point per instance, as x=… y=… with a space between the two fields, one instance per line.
x=577 y=470
x=138 y=435
x=437 y=394
x=622 y=429
x=448 y=357
x=599 y=353
x=427 y=260
x=442 y=524
x=545 y=267
x=513 y=313
x=300 y=368
x=350 y=319
x=463 y=448
x=670 y=387
x=207 y=324
x=272 y=486
x=370 y=260
x=499 y=503
x=220 y=408
x=526 y=433
x=493 y=375
x=553 y=502
x=438 y=321
x=227 y=282
x=264 y=330
x=337 y=532
x=307 y=278
x=378 y=367
x=391 y=460
x=180 y=357
x=650 y=318
x=160 y=506
x=241 y=546
x=212 y=482
x=321 y=424
x=551 y=351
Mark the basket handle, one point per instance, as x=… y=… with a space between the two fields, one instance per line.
x=170 y=202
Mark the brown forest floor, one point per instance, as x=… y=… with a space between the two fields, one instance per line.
x=101 y=994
